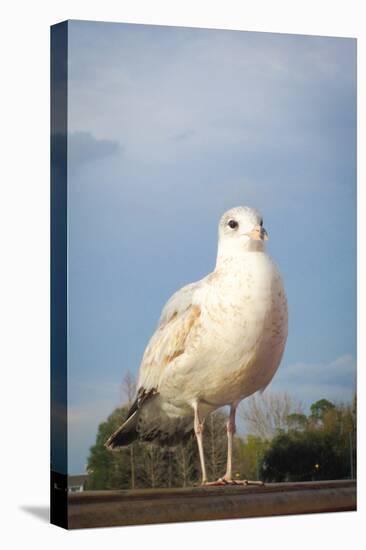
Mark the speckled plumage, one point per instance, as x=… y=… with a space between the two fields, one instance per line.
x=220 y=339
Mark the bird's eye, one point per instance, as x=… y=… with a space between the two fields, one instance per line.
x=261 y=223
x=233 y=224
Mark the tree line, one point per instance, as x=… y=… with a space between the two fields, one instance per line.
x=282 y=444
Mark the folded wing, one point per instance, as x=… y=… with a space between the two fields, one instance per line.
x=171 y=340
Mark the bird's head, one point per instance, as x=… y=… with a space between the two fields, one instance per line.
x=241 y=228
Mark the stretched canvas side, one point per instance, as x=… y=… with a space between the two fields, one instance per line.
x=59 y=274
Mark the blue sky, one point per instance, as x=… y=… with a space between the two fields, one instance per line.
x=168 y=128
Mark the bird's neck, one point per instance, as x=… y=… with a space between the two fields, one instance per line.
x=232 y=255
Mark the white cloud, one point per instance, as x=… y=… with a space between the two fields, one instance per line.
x=224 y=89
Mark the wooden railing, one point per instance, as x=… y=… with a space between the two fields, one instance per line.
x=112 y=508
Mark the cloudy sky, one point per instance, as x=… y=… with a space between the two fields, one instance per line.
x=168 y=128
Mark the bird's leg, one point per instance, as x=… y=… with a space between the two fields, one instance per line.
x=198 y=430
x=227 y=479
x=230 y=430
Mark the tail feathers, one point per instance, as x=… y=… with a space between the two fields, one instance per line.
x=125 y=434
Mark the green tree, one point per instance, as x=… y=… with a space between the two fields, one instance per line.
x=108 y=470
x=320 y=408
x=250 y=451
x=297 y=421
x=318 y=447
x=305 y=456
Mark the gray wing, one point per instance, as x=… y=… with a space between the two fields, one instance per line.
x=171 y=338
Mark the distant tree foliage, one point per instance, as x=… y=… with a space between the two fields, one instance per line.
x=266 y=414
x=284 y=444
x=106 y=470
x=321 y=446
x=320 y=408
x=297 y=421
x=155 y=466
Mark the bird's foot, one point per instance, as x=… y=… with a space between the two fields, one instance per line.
x=218 y=482
x=247 y=482
x=229 y=481
x=221 y=482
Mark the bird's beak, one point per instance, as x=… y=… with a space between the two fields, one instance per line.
x=258 y=233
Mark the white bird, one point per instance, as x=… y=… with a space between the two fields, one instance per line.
x=218 y=341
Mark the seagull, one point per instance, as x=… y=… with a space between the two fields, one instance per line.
x=218 y=341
